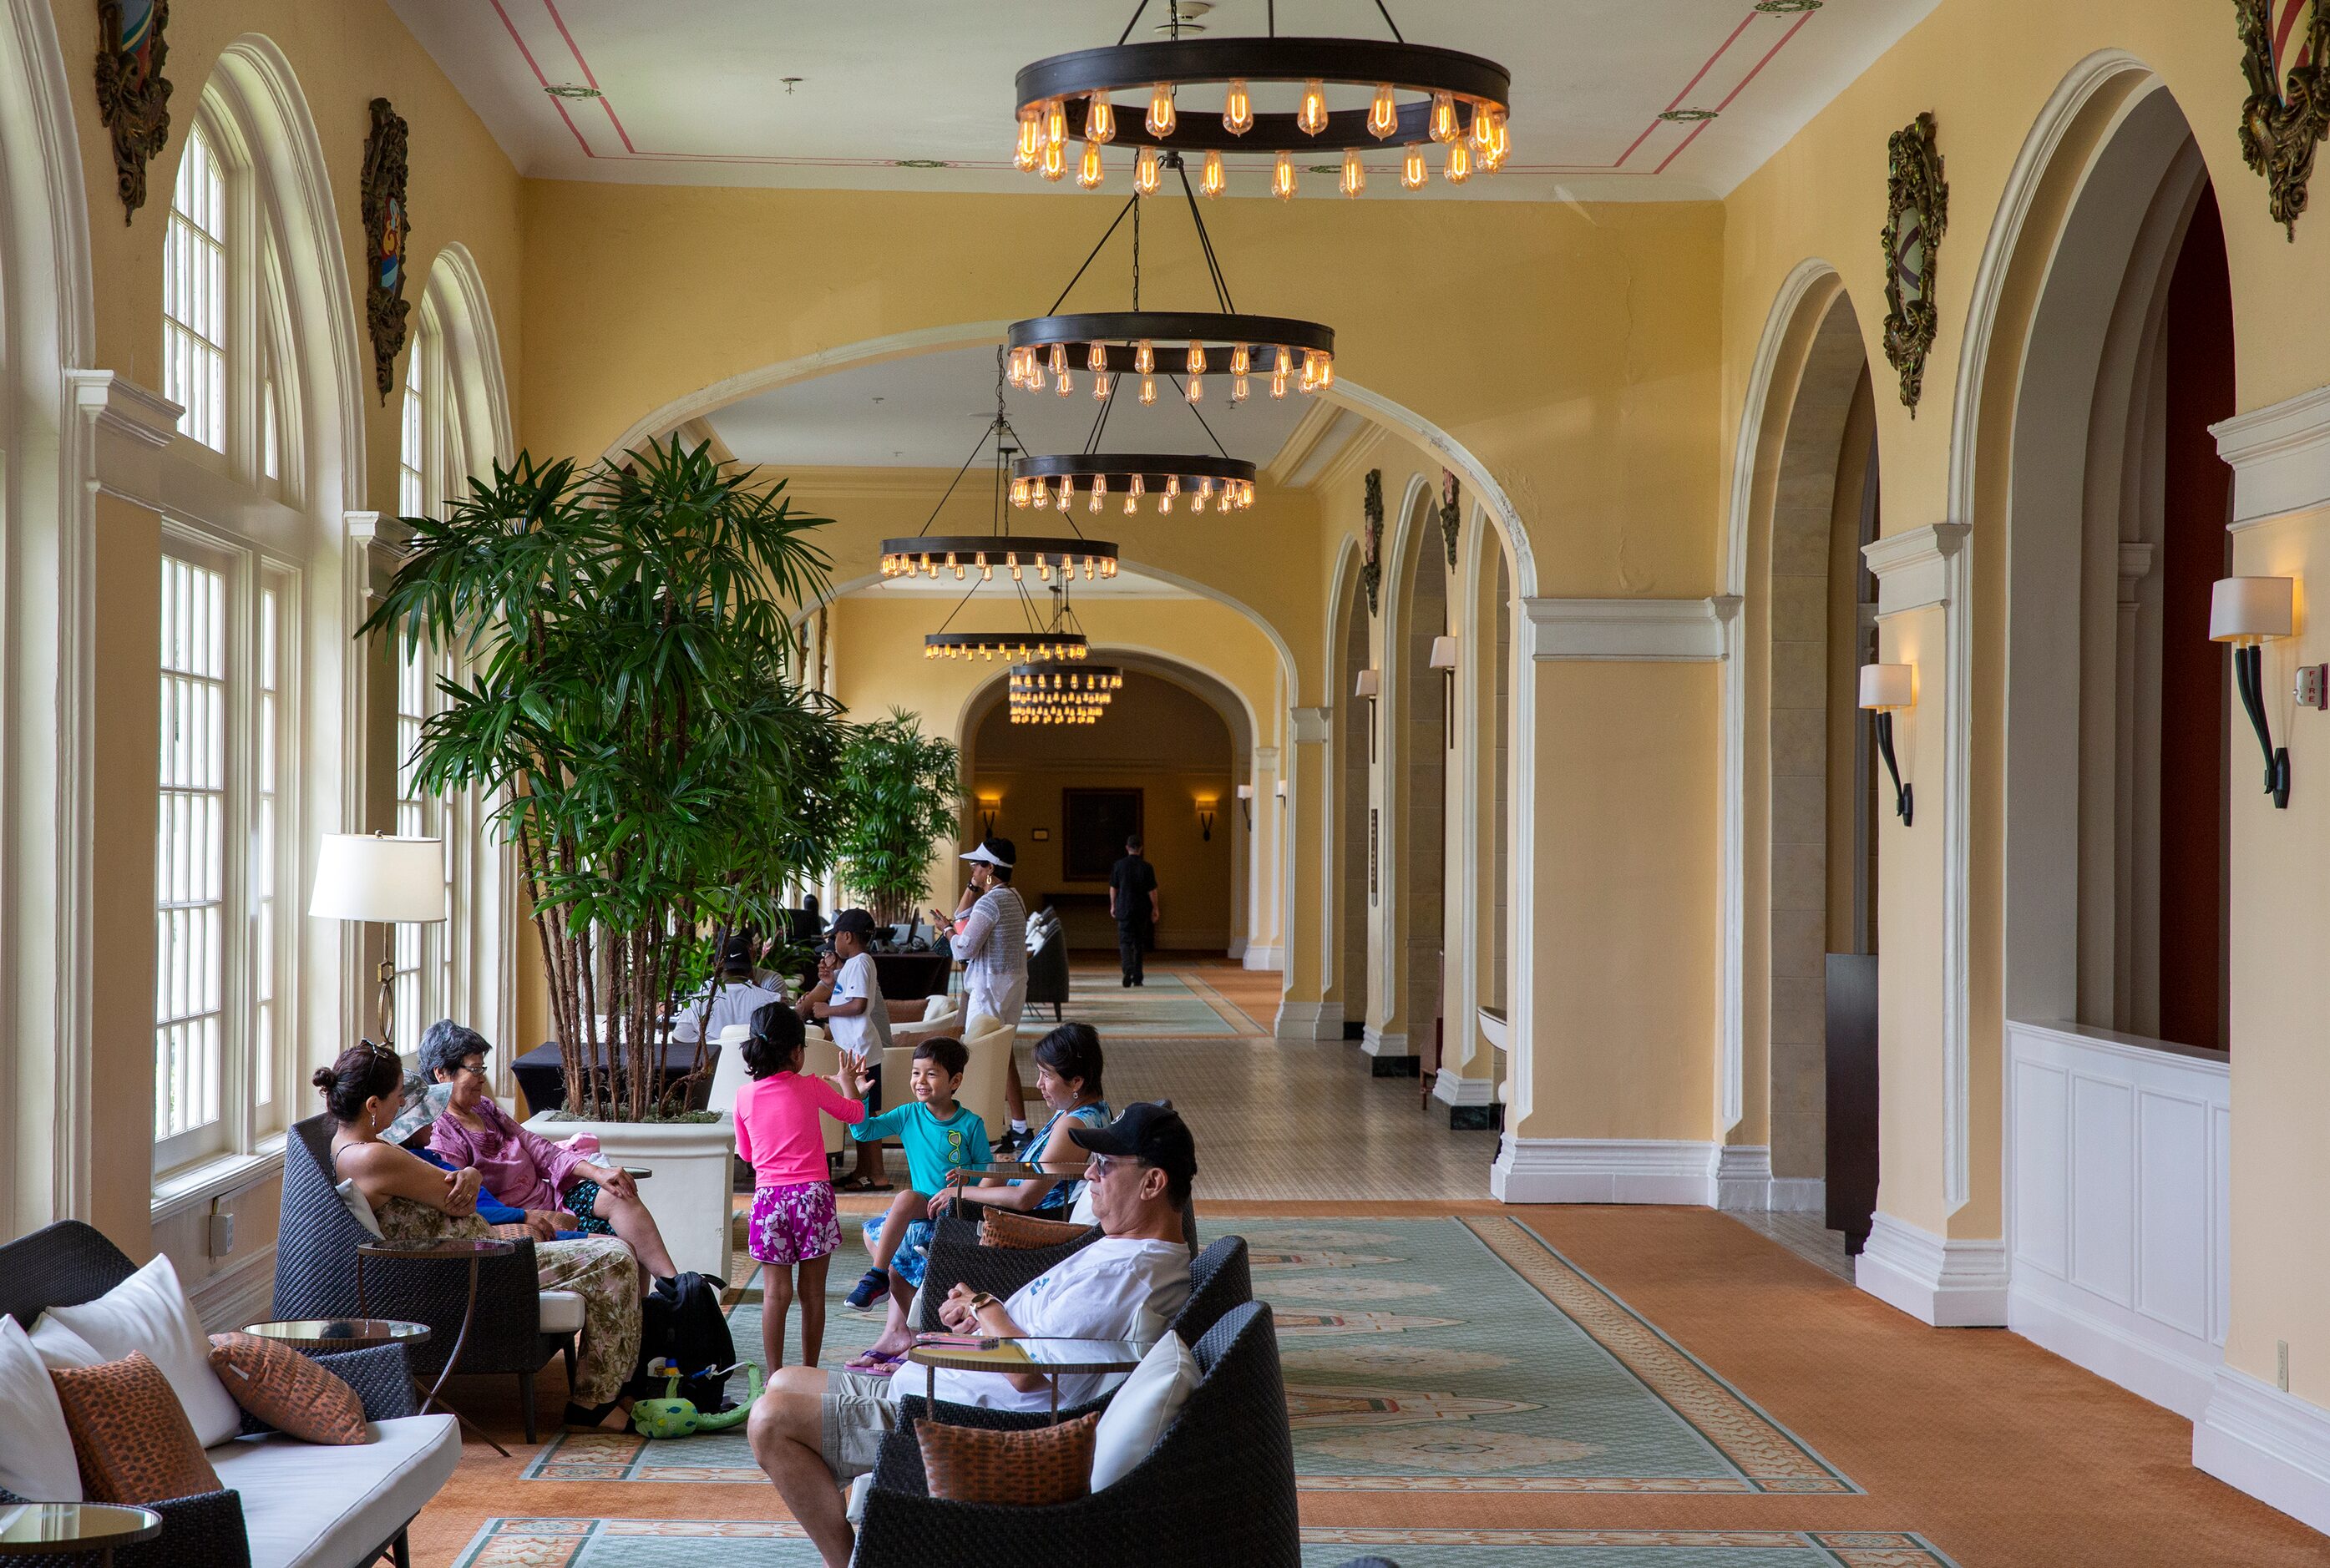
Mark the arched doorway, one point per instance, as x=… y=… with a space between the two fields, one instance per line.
x=1413 y=760
x=1355 y=740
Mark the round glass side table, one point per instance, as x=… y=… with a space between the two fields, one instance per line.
x=451 y=1251
x=326 y=1335
x=74 y=1529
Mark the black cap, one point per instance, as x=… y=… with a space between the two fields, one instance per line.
x=854 y=920
x=736 y=953
x=1150 y=1133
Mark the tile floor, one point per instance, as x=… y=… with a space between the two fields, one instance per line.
x=1807 y=1237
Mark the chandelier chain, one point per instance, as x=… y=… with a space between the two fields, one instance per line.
x=1205 y=241
x=1131 y=206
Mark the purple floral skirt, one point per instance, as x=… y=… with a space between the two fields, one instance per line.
x=792 y=1225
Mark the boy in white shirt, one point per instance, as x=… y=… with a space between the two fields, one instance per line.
x=847 y=999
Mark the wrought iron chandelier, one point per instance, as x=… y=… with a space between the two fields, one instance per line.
x=1422 y=97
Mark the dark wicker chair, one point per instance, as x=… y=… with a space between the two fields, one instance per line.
x=972 y=1210
x=67 y=1263
x=1218 y=1487
x=1047 y=974
x=316 y=1277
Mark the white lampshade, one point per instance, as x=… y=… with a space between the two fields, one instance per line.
x=1443 y=653
x=2247 y=609
x=1279 y=788
x=1369 y=684
x=1887 y=687
x=1245 y=791
x=373 y=877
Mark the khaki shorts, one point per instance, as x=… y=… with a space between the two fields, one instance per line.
x=858 y=1415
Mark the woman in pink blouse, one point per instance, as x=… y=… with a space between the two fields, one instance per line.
x=523 y=1168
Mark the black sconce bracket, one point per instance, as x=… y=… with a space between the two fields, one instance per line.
x=2248 y=673
x=1901 y=800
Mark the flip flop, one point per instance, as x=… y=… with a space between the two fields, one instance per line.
x=864 y=1184
x=873 y=1363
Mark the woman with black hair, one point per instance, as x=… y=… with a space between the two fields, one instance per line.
x=1067 y=1075
x=414 y=1200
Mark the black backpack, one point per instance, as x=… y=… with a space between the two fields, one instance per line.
x=681 y=1322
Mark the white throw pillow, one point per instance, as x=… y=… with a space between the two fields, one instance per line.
x=358 y=1205
x=36 y=1452
x=59 y=1348
x=149 y=1311
x=1142 y=1407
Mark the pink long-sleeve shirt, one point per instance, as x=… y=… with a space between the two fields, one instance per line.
x=778 y=1133
x=523 y=1169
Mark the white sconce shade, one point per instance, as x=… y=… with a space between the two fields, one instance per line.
x=1443 y=653
x=1369 y=684
x=1279 y=788
x=2251 y=609
x=1887 y=688
x=373 y=877
x=1245 y=791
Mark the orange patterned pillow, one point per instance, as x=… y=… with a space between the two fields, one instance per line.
x=1022 y=1233
x=130 y=1435
x=287 y=1391
x=1030 y=1469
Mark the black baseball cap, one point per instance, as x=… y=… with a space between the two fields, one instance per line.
x=856 y=920
x=1150 y=1133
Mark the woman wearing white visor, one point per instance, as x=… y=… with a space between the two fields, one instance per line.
x=991 y=938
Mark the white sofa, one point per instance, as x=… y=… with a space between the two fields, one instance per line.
x=309 y=1506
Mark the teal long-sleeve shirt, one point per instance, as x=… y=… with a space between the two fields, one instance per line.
x=933 y=1148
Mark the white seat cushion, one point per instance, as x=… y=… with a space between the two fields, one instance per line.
x=561 y=1312
x=319 y=1506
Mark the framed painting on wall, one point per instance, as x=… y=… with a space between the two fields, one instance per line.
x=1094 y=824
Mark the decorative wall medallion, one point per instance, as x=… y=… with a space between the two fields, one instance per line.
x=133 y=96
x=388 y=229
x=1449 y=514
x=1916 y=213
x=1371 y=542
x=2282 y=47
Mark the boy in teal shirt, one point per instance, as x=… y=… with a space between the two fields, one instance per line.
x=940 y=1137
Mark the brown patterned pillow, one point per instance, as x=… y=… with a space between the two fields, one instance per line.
x=287 y=1391
x=1030 y=1469
x=130 y=1435
x=1022 y=1233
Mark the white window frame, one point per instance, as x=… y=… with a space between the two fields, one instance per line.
x=190 y=246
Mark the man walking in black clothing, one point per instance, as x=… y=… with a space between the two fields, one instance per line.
x=1132 y=900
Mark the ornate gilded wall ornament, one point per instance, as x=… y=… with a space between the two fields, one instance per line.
x=1371 y=541
x=133 y=96
x=2284 y=43
x=1916 y=215
x=387 y=230
x=1449 y=515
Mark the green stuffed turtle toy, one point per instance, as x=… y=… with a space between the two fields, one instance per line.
x=674 y=1417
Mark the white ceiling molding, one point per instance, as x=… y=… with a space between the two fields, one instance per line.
x=1626 y=630
x=2280 y=457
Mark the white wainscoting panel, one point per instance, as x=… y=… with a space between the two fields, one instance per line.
x=2119 y=1162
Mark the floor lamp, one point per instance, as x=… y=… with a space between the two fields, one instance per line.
x=372 y=876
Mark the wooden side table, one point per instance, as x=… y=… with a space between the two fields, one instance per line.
x=472 y=1252
x=74 y=1529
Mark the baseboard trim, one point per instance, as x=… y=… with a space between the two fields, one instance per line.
x=1743 y=1184
x=1799 y=1196
x=1945 y=1281
x=1375 y=1041
x=1308 y=1021
x=2159 y=1373
x=1450 y=1090
x=2272 y=1445
x=1257 y=957
x=1589 y=1170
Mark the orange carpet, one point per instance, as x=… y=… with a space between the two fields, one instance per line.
x=1991 y=1447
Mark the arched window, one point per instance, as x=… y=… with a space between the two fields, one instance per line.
x=194 y=294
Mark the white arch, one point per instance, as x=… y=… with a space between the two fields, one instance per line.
x=457 y=296
x=1417 y=525
x=1342 y=589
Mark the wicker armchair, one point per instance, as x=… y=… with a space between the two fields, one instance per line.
x=1218 y=1486
x=67 y=1263
x=316 y=1277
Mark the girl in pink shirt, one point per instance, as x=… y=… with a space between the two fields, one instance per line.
x=777 y=1134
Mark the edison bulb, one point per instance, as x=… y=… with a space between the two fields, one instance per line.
x=1055 y=160
x=1099 y=493
x=1238 y=389
x=1100 y=119
x=1019 y=493
x=1067 y=498
x=1326 y=371
x=1412 y=172
x=1443 y=117
x=1096 y=357
x=1196 y=362
x=1088 y=166
x=1160 y=111
x=1196 y=391
x=1494 y=157
x=1145 y=177
x=1312 y=117
x=1144 y=357
x=1241 y=359
x=1480 y=132
x=1383 y=114
x=1281 y=177
x=1238 y=110
x=1205 y=492
x=1030 y=150
x=1056 y=121
x=1148 y=389
x=1460 y=163
x=1101 y=380
x=1355 y=174
x=1211 y=183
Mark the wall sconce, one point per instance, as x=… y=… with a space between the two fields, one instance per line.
x=1245 y=803
x=1206 y=818
x=989 y=805
x=1368 y=685
x=1886 y=690
x=1444 y=659
x=2249 y=612
x=1279 y=790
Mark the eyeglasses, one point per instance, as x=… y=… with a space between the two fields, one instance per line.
x=471 y=1068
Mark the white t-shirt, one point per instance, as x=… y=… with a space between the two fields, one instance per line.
x=732 y=1002
x=1111 y=1290
x=866 y=1031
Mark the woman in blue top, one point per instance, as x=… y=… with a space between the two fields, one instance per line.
x=1067 y=1075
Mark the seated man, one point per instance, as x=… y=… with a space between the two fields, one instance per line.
x=731 y=997
x=812 y=1430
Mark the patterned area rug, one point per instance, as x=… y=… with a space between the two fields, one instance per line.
x=517 y=1543
x=1167 y=1007
x=1421 y=1356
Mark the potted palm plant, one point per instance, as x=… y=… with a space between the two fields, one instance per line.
x=630 y=698
x=899 y=792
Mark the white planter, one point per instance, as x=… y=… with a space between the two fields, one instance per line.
x=689 y=1192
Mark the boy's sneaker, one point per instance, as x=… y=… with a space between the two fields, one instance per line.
x=871 y=1287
